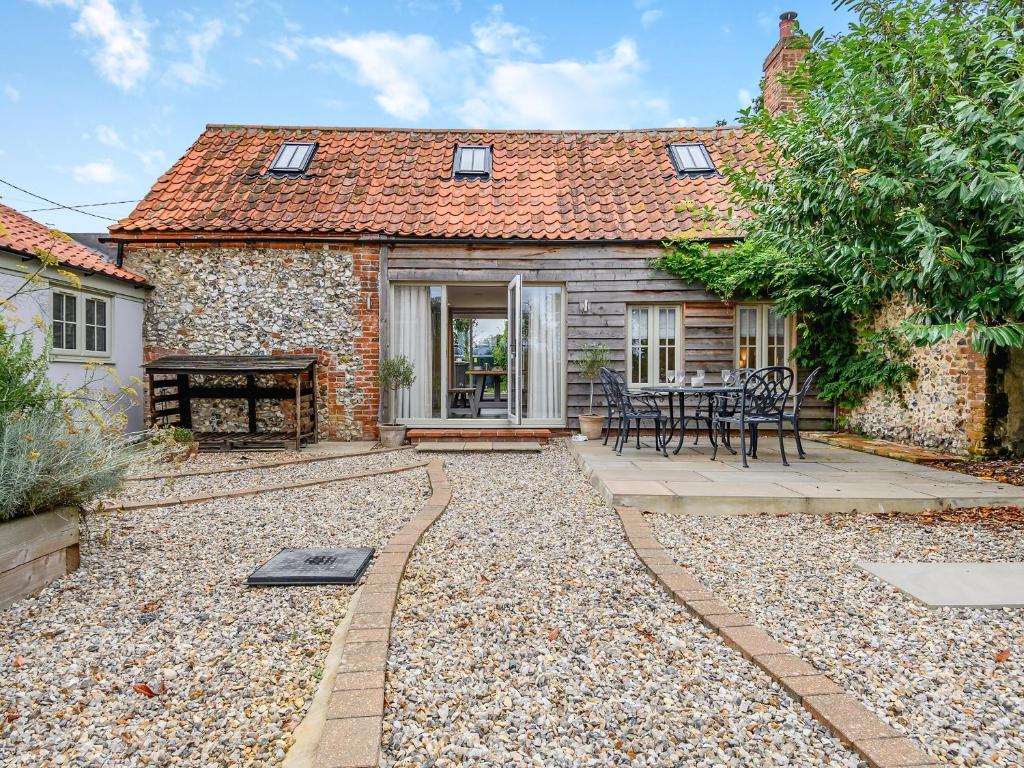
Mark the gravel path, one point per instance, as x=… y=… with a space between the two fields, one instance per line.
x=527 y=634
x=930 y=672
x=139 y=490
x=159 y=601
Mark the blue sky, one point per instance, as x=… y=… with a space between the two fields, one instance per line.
x=99 y=97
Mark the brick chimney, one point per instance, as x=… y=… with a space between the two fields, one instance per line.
x=787 y=53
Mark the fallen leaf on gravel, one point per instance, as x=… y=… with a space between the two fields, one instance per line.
x=150 y=606
x=144 y=689
x=553 y=634
x=1002 y=656
x=19 y=661
x=11 y=716
x=649 y=637
x=483 y=577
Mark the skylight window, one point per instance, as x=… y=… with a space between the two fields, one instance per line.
x=293 y=157
x=472 y=161
x=692 y=157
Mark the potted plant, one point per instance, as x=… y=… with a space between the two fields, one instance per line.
x=395 y=373
x=592 y=359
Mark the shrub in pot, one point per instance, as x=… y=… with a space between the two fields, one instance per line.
x=590 y=362
x=396 y=373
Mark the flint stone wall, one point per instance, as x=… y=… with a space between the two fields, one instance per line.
x=943 y=410
x=244 y=300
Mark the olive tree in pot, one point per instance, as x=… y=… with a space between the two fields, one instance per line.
x=592 y=359
x=396 y=373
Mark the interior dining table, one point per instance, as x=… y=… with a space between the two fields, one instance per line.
x=480 y=377
x=703 y=409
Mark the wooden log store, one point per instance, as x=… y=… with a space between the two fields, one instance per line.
x=172 y=390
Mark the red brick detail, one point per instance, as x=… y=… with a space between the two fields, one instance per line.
x=511 y=434
x=784 y=57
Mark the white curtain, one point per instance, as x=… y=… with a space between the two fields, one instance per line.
x=410 y=336
x=545 y=366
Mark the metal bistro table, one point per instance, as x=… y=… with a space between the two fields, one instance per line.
x=684 y=391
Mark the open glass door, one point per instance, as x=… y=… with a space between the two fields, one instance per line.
x=515 y=346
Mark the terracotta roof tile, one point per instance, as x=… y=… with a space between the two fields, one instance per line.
x=545 y=185
x=23 y=235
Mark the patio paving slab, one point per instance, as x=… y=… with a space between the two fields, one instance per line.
x=957 y=585
x=830 y=480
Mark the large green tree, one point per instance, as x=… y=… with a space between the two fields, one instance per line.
x=901 y=171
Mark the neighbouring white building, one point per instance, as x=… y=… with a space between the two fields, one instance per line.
x=92 y=307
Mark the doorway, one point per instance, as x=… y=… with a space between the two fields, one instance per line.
x=484 y=354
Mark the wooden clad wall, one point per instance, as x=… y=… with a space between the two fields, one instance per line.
x=608 y=277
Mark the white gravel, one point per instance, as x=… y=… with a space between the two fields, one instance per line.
x=160 y=600
x=140 y=490
x=929 y=672
x=527 y=634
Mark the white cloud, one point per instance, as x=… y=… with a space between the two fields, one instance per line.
x=685 y=122
x=97 y=172
x=744 y=97
x=564 y=94
x=11 y=92
x=405 y=71
x=122 y=55
x=151 y=159
x=193 y=71
x=650 y=18
x=498 y=37
x=496 y=80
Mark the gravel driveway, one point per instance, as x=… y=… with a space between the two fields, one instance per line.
x=160 y=602
x=527 y=634
x=931 y=672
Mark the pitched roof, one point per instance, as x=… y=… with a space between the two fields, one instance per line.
x=545 y=185
x=20 y=234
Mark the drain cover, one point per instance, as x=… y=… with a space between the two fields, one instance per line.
x=313 y=566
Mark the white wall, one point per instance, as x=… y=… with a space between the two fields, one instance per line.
x=125 y=323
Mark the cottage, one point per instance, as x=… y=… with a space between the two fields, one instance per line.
x=489 y=259
x=92 y=307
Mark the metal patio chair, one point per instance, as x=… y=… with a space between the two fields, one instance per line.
x=793 y=417
x=634 y=408
x=762 y=401
x=610 y=401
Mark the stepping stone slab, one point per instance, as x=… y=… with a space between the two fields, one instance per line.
x=958 y=585
x=312 y=566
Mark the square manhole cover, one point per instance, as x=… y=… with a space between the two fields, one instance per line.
x=313 y=566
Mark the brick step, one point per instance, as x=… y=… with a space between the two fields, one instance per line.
x=508 y=435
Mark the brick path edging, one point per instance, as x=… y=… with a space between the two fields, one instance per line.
x=170 y=501
x=355 y=712
x=856 y=727
x=269 y=465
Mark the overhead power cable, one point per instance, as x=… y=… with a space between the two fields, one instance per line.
x=78 y=207
x=59 y=206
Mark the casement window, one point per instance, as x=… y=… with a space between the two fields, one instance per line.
x=762 y=336
x=654 y=343
x=471 y=160
x=80 y=323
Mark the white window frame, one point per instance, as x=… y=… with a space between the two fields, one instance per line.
x=763 y=310
x=654 y=351
x=80 y=352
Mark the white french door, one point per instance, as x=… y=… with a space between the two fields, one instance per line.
x=515 y=346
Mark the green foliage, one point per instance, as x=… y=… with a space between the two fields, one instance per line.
x=23 y=380
x=181 y=435
x=830 y=332
x=499 y=350
x=396 y=373
x=592 y=359
x=901 y=172
x=48 y=459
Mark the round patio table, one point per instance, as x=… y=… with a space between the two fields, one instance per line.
x=683 y=391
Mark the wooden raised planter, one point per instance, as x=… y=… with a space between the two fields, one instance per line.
x=35 y=551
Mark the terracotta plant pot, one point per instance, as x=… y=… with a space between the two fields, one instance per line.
x=392 y=435
x=591 y=426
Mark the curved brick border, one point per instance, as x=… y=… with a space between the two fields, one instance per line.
x=170 y=501
x=282 y=463
x=852 y=723
x=355 y=712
